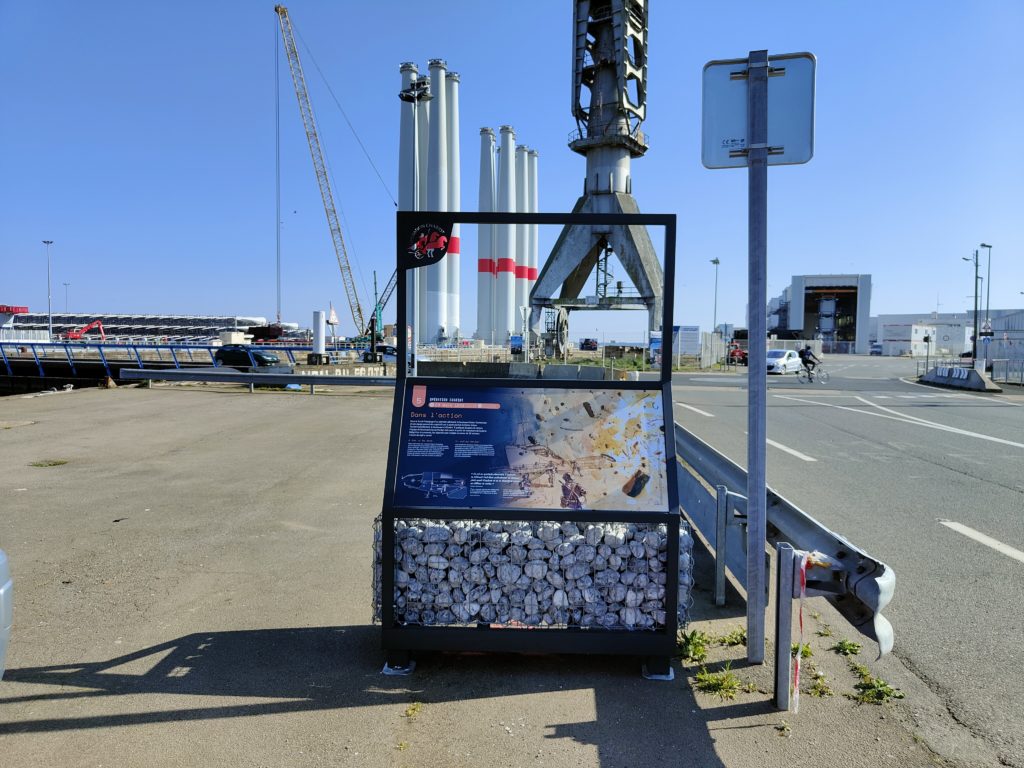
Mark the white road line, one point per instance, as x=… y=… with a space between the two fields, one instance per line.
x=787 y=449
x=695 y=410
x=781 y=447
x=904 y=418
x=988 y=541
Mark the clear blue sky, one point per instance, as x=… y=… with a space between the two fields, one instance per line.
x=139 y=137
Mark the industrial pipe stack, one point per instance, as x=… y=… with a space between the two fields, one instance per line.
x=507 y=265
x=428 y=180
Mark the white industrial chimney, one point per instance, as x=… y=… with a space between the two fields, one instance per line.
x=485 y=253
x=522 y=230
x=437 y=200
x=452 y=259
x=505 y=255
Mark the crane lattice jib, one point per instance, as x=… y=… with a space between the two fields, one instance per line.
x=306 y=108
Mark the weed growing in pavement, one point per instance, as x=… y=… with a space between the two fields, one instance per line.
x=820 y=687
x=402 y=746
x=823 y=631
x=815 y=615
x=846 y=648
x=693 y=646
x=784 y=729
x=413 y=709
x=874 y=690
x=860 y=670
x=737 y=637
x=724 y=684
x=804 y=650
x=49 y=463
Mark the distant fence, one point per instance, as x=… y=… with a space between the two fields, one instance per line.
x=1008 y=372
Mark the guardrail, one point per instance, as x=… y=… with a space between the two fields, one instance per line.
x=252 y=379
x=135 y=354
x=711 y=490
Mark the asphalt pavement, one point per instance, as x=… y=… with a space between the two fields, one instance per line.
x=192 y=572
x=929 y=481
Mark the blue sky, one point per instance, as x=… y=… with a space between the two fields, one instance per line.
x=139 y=137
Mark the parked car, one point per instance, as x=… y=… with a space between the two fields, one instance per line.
x=737 y=354
x=783 y=361
x=237 y=356
x=876 y=349
x=588 y=345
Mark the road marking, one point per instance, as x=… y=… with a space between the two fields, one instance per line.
x=902 y=417
x=695 y=410
x=787 y=449
x=988 y=541
x=781 y=447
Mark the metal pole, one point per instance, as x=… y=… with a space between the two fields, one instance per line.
x=49 y=297
x=974 y=346
x=757 y=377
x=66 y=297
x=714 y=317
x=785 y=560
x=988 y=284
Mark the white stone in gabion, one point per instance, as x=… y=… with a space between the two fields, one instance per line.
x=437 y=561
x=508 y=574
x=433 y=533
x=535 y=569
x=593 y=535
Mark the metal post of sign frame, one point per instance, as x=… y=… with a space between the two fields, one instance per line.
x=757 y=243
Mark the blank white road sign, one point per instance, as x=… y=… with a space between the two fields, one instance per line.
x=790 y=111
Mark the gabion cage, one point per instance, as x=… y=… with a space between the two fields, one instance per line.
x=544 y=574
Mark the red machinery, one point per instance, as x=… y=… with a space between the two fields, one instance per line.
x=75 y=334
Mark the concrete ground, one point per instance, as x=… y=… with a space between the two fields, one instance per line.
x=192 y=572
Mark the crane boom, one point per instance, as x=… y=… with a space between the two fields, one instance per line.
x=316 y=151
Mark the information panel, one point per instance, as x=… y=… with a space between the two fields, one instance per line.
x=511 y=447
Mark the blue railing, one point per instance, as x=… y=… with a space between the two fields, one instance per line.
x=137 y=354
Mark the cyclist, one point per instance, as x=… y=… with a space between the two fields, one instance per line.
x=809 y=360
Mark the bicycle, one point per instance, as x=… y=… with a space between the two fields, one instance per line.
x=819 y=375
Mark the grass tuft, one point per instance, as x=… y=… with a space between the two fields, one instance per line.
x=737 y=637
x=724 y=684
x=804 y=650
x=49 y=463
x=846 y=648
x=693 y=646
x=413 y=709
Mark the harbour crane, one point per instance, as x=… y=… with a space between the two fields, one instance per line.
x=316 y=151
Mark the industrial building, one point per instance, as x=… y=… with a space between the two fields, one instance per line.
x=35 y=325
x=833 y=309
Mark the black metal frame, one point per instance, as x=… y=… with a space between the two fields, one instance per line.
x=657 y=645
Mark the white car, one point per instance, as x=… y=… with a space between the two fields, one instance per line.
x=783 y=361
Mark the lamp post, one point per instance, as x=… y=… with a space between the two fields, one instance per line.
x=988 y=283
x=974 y=340
x=49 y=297
x=66 y=297
x=714 y=317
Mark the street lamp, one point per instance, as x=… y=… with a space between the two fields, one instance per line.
x=66 y=297
x=988 y=284
x=49 y=297
x=974 y=341
x=714 y=317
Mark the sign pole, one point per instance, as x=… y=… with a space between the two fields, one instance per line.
x=757 y=389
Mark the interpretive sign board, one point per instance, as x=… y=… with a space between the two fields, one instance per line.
x=532 y=448
x=545 y=504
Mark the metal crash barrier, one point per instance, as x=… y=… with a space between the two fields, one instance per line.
x=711 y=490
